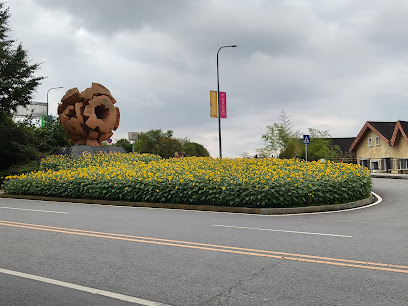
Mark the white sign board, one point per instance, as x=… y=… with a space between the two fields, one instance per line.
x=133 y=136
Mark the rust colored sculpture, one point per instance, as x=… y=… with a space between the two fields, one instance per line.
x=88 y=117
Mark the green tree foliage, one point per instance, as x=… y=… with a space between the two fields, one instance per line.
x=195 y=149
x=17 y=80
x=125 y=144
x=165 y=145
x=50 y=137
x=16 y=142
x=320 y=146
x=22 y=141
x=17 y=85
x=149 y=142
x=277 y=139
x=281 y=140
x=294 y=149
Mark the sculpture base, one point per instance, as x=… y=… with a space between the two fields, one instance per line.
x=88 y=151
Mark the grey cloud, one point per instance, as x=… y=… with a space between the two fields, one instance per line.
x=197 y=25
x=107 y=16
x=387 y=29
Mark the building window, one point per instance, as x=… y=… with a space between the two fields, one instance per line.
x=370 y=142
x=375 y=165
x=403 y=164
x=377 y=141
x=364 y=163
x=386 y=164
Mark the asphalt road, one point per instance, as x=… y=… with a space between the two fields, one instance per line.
x=176 y=257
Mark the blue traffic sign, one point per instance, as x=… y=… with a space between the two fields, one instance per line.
x=306 y=139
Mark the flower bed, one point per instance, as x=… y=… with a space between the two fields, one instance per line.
x=202 y=181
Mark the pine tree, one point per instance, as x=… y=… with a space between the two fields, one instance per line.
x=17 y=80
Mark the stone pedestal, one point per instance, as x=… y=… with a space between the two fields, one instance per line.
x=88 y=151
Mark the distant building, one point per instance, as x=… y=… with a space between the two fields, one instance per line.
x=344 y=145
x=382 y=146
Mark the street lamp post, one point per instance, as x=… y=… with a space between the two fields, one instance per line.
x=48 y=92
x=219 y=107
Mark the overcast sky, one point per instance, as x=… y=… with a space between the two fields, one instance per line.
x=331 y=65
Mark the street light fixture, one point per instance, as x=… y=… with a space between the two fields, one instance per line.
x=219 y=108
x=48 y=92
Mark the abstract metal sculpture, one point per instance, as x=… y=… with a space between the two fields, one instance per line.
x=89 y=117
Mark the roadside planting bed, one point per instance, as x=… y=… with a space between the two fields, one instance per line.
x=195 y=180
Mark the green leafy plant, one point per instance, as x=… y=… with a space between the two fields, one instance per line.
x=196 y=180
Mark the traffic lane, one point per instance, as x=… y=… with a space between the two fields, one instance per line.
x=394 y=193
x=185 y=276
x=19 y=291
x=37 y=211
x=252 y=238
x=383 y=224
x=371 y=241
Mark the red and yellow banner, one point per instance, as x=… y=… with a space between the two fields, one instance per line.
x=223 y=104
x=213 y=104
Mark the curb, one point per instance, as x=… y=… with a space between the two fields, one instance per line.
x=244 y=210
x=388 y=176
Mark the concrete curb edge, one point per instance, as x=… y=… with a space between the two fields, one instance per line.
x=390 y=176
x=245 y=210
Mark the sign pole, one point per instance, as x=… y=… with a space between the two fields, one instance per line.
x=306 y=150
x=306 y=141
x=133 y=136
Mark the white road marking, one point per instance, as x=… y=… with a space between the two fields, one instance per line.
x=37 y=210
x=283 y=231
x=113 y=295
x=379 y=200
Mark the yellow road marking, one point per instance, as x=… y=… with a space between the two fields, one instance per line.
x=216 y=248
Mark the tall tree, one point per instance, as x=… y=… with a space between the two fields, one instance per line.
x=17 y=80
x=277 y=138
x=17 y=84
x=281 y=140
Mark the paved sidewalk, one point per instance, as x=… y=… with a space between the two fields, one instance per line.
x=390 y=176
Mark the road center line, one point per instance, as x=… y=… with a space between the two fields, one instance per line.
x=283 y=231
x=113 y=295
x=215 y=248
x=37 y=210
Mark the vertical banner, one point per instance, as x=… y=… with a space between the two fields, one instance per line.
x=223 y=104
x=213 y=104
